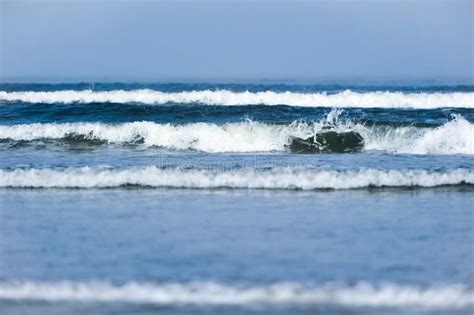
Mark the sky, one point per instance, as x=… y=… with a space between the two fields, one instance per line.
x=235 y=40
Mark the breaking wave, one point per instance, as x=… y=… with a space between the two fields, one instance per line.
x=297 y=178
x=209 y=293
x=346 y=98
x=454 y=137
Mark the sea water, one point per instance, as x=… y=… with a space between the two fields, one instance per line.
x=186 y=199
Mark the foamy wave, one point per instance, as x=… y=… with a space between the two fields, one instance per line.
x=276 y=178
x=208 y=293
x=238 y=137
x=223 y=97
x=454 y=137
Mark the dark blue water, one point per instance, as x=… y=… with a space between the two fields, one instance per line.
x=188 y=198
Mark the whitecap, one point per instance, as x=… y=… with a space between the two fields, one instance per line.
x=348 y=98
x=211 y=293
x=246 y=178
x=454 y=137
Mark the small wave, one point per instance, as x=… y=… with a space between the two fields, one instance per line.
x=245 y=178
x=454 y=137
x=209 y=293
x=346 y=98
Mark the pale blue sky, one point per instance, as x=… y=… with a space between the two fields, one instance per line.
x=226 y=40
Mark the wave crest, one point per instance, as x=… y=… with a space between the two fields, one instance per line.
x=209 y=293
x=454 y=137
x=346 y=98
x=276 y=178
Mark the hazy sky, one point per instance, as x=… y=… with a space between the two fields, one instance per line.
x=169 y=40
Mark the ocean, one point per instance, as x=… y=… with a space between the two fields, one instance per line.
x=186 y=198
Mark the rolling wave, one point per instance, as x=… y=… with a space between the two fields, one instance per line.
x=210 y=293
x=346 y=98
x=296 y=178
x=454 y=137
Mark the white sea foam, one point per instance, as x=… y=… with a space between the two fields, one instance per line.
x=237 y=137
x=454 y=137
x=346 y=98
x=209 y=293
x=245 y=178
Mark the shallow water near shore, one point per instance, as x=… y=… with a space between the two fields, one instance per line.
x=389 y=251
